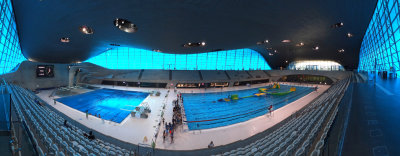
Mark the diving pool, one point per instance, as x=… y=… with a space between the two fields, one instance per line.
x=204 y=111
x=113 y=105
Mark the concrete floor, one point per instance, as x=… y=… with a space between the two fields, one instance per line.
x=374 y=123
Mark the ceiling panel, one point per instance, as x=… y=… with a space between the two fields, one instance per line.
x=167 y=25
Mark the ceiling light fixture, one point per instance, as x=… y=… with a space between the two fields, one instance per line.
x=286 y=41
x=125 y=25
x=275 y=51
x=86 y=30
x=270 y=54
x=262 y=42
x=316 y=48
x=341 y=50
x=337 y=25
x=199 y=44
x=349 y=35
x=64 y=40
x=300 y=44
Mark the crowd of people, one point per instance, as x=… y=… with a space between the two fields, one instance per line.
x=176 y=119
x=177 y=113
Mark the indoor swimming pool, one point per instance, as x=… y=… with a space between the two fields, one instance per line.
x=207 y=110
x=113 y=105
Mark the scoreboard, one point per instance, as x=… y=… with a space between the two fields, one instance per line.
x=45 y=71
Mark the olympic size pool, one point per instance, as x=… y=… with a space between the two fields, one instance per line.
x=204 y=111
x=113 y=105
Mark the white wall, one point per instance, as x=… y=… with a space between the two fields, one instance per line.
x=26 y=76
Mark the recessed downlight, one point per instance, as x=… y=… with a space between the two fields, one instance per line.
x=286 y=41
x=349 y=35
x=198 y=44
x=341 y=50
x=86 y=30
x=300 y=44
x=262 y=42
x=125 y=25
x=337 y=25
x=315 y=48
x=64 y=39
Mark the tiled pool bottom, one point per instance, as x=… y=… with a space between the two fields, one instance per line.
x=113 y=105
x=204 y=111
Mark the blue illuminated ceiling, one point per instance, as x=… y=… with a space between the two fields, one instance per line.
x=167 y=25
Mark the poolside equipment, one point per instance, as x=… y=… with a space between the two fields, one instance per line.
x=292 y=89
x=276 y=86
x=235 y=97
x=141 y=111
x=261 y=92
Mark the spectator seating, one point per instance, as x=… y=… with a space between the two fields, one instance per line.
x=50 y=135
x=297 y=135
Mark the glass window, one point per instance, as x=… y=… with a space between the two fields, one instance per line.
x=10 y=49
x=315 y=65
x=381 y=44
x=132 y=58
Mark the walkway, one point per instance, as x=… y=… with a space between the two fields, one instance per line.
x=374 y=126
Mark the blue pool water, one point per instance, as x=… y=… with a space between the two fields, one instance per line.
x=113 y=105
x=207 y=112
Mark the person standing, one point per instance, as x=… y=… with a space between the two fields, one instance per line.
x=164 y=135
x=87 y=114
x=172 y=137
x=270 y=109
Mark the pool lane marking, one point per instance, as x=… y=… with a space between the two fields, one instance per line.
x=384 y=90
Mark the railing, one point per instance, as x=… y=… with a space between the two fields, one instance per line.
x=334 y=140
x=22 y=141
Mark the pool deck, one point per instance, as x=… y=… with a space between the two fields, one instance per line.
x=133 y=130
